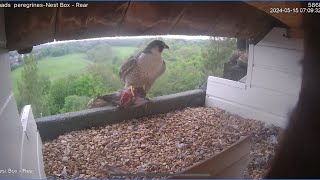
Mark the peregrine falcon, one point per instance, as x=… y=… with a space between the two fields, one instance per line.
x=138 y=73
x=142 y=70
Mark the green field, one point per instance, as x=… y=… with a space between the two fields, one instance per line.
x=56 y=67
x=123 y=52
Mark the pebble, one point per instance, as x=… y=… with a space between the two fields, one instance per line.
x=162 y=143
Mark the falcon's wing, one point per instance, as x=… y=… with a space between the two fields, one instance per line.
x=127 y=67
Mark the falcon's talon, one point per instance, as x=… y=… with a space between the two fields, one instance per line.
x=132 y=91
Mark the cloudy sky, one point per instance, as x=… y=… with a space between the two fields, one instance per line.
x=135 y=37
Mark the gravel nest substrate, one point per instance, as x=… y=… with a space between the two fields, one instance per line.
x=166 y=143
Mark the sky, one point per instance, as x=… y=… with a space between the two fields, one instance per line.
x=138 y=37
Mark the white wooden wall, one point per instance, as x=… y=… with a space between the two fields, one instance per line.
x=10 y=129
x=271 y=88
x=20 y=143
x=31 y=163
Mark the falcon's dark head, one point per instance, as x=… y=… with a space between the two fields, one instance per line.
x=157 y=43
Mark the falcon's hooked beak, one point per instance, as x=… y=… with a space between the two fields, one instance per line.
x=166 y=46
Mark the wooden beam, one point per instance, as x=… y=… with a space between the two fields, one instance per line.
x=292 y=20
x=26 y=28
x=3 y=40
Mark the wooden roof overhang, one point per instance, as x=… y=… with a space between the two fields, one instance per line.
x=33 y=26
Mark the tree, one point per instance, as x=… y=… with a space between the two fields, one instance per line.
x=75 y=103
x=107 y=74
x=215 y=54
x=88 y=85
x=33 y=87
x=85 y=85
x=60 y=89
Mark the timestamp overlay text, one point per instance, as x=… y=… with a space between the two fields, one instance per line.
x=312 y=7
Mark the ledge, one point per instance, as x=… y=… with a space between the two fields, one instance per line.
x=227 y=82
x=51 y=127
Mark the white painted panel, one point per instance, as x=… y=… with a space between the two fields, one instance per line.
x=278 y=59
x=243 y=80
x=246 y=111
x=276 y=80
x=227 y=82
x=272 y=83
x=20 y=152
x=31 y=148
x=250 y=65
x=41 y=172
x=5 y=81
x=10 y=139
x=265 y=100
x=277 y=38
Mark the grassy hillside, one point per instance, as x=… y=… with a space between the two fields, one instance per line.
x=61 y=66
x=56 y=67
x=123 y=52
